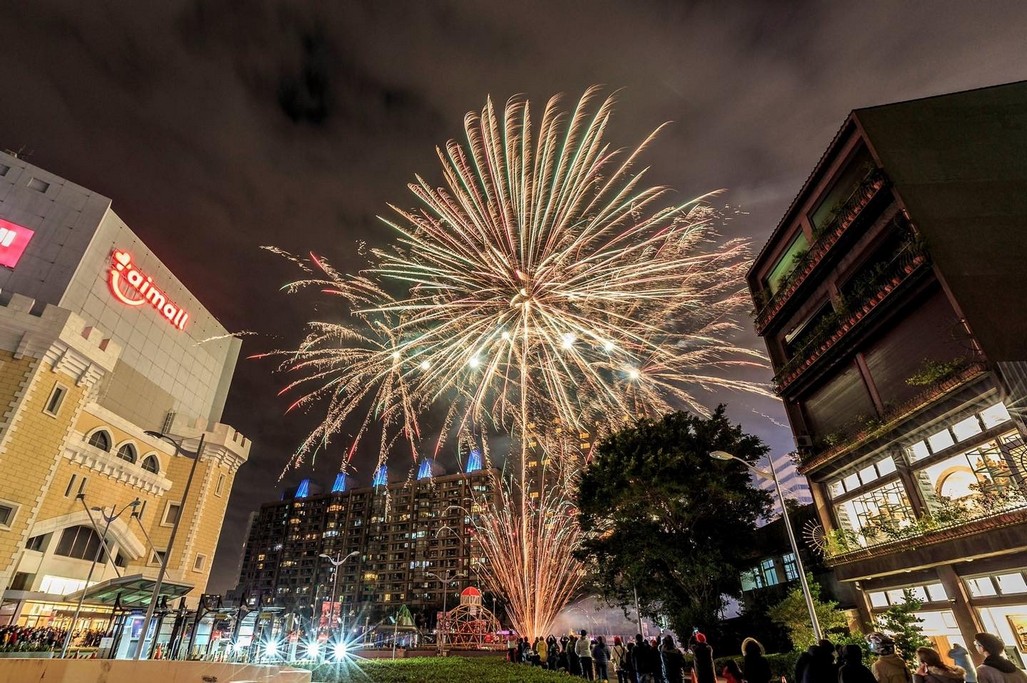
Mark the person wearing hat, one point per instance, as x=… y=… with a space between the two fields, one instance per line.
x=703 y=670
x=996 y=668
x=889 y=667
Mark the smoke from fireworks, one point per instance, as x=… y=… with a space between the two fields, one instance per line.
x=543 y=291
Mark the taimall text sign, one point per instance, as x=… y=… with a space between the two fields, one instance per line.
x=133 y=287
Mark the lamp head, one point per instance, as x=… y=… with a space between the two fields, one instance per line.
x=156 y=435
x=353 y=554
x=96 y=509
x=135 y=504
x=721 y=455
x=326 y=556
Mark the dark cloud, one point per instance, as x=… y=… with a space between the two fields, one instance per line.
x=217 y=126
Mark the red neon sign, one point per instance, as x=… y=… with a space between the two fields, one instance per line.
x=133 y=287
x=13 y=240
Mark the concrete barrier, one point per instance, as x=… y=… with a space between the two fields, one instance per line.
x=127 y=671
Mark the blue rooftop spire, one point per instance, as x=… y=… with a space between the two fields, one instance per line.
x=340 y=483
x=381 y=476
x=304 y=489
x=424 y=471
x=474 y=460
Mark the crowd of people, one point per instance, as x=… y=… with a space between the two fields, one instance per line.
x=662 y=661
x=45 y=638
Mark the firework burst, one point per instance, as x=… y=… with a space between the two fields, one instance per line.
x=545 y=284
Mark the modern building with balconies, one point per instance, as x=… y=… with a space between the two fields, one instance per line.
x=891 y=300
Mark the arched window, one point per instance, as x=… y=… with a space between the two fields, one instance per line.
x=80 y=542
x=150 y=464
x=101 y=439
x=127 y=452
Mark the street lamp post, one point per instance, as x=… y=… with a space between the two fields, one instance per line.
x=100 y=549
x=450 y=575
x=336 y=563
x=772 y=476
x=171 y=539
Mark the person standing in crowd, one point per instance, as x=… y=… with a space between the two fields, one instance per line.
x=511 y=648
x=933 y=670
x=821 y=664
x=888 y=667
x=584 y=651
x=542 y=651
x=641 y=660
x=673 y=661
x=996 y=668
x=702 y=666
x=628 y=665
x=961 y=657
x=755 y=667
x=802 y=662
x=854 y=670
x=618 y=653
x=573 y=664
x=601 y=657
x=553 y=652
x=731 y=673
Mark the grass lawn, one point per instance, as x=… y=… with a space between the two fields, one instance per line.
x=434 y=670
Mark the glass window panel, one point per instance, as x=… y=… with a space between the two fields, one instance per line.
x=784 y=267
x=894 y=596
x=919 y=593
x=836 y=488
x=1011 y=583
x=886 y=466
x=878 y=599
x=791 y=568
x=936 y=592
x=868 y=474
x=967 y=428
x=995 y=415
x=851 y=482
x=940 y=441
x=918 y=451
x=882 y=508
x=981 y=587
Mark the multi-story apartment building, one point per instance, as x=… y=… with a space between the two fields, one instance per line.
x=890 y=298
x=401 y=543
x=100 y=344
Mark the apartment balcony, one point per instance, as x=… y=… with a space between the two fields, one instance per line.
x=821 y=343
x=959 y=377
x=848 y=214
x=986 y=526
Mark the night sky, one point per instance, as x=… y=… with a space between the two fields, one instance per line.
x=217 y=126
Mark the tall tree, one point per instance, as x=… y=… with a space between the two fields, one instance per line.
x=902 y=622
x=793 y=614
x=661 y=517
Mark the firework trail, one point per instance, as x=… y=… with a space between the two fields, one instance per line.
x=544 y=290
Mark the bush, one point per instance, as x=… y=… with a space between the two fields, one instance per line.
x=782 y=664
x=431 y=670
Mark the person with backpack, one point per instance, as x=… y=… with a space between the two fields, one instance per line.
x=618 y=655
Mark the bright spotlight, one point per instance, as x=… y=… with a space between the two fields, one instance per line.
x=506 y=336
x=271 y=649
x=339 y=650
x=395 y=355
x=313 y=649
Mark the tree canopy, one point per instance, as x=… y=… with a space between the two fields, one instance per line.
x=662 y=517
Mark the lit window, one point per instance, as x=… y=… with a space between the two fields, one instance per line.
x=936 y=592
x=919 y=593
x=981 y=587
x=1011 y=583
x=941 y=440
x=867 y=474
x=918 y=451
x=878 y=599
x=791 y=567
x=769 y=571
x=967 y=428
x=994 y=416
x=836 y=488
x=895 y=596
x=886 y=466
x=851 y=482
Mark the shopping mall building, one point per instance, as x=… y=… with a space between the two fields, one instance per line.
x=101 y=349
